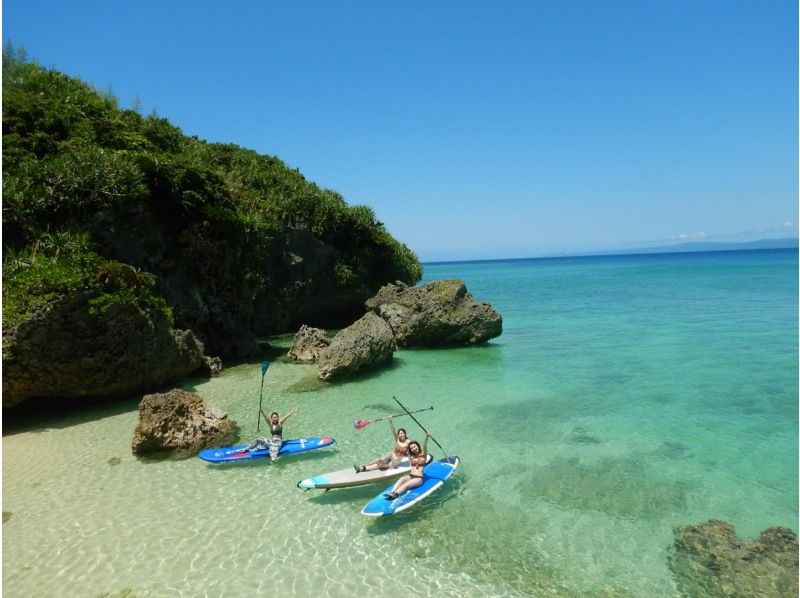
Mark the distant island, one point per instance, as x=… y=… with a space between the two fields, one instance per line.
x=696 y=247
x=783 y=243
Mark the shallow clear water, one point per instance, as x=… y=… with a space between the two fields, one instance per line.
x=626 y=396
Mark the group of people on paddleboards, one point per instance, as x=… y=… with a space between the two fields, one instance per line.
x=403 y=448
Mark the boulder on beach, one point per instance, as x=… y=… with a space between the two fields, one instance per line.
x=67 y=351
x=180 y=424
x=364 y=345
x=211 y=366
x=308 y=342
x=709 y=559
x=437 y=313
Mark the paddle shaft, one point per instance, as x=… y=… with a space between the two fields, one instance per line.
x=400 y=414
x=264 y=367
x=420 y=425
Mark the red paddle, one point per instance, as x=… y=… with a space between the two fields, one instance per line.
x=363 y=423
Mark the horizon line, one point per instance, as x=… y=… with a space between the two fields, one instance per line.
x=605 y=254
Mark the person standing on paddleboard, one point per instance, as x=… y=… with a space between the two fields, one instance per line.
x=417 y=457
x=390 y=459
x=274 y=443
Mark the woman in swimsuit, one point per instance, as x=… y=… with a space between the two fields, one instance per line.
x=274 y=443
x=390 y=459
x=417 y=456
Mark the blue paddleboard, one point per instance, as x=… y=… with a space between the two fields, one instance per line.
x=239 y=452
x=433 y=476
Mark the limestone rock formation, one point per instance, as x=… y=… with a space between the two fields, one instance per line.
x=711 y=560
x=303 y=287
x=364 y=345
x=69 y=351
x=437 y=313
x=211 y=365
x=180 y=424
x=308 y=342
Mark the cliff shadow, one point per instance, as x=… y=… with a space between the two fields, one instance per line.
x=40 y=414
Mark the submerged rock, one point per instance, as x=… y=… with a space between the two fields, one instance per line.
x=709 y=559
x=308 y=342
x=180 y=424
x=437 y=313
x=364 y=345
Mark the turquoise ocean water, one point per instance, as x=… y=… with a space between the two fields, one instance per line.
x=628 y=395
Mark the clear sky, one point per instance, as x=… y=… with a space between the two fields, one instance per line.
x=474 y=129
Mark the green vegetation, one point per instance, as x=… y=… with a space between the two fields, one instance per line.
x=127 y=208
x=36 y=278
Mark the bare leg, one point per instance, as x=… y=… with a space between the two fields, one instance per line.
x=362 y=468
x=395 y=491
x=407 y=485
x=379 y=463
x=400 y=482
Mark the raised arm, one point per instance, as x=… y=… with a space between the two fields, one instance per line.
x=264 y=415
x=288 y=415
x=391 y=425
x=425 y=444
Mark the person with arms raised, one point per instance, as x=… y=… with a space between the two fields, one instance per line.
x=417 y=457
x=392 y=458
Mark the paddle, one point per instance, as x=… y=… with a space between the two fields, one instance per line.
x=264 y=367
x=363 y=423
x=420 y=425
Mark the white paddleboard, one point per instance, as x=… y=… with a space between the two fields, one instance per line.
x=345 y=478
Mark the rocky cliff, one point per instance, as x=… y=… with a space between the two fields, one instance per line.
x=104 y=205
x=68 y=351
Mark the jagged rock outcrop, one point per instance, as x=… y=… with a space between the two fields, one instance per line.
x=180 y=424
x=72 y=351
x=364 y=345
x=710 y=560
x=211 y=366
x=437 y=313
x=308 y=342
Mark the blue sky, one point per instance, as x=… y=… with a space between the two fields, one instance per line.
x=474 y=129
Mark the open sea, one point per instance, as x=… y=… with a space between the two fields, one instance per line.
x=627 y=396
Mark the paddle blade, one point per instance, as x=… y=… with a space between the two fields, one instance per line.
x=361 y=423
x=264 y=367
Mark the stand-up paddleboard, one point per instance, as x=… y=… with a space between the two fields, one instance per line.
x=433 y=476
x=344 y=478
x=239 y=452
